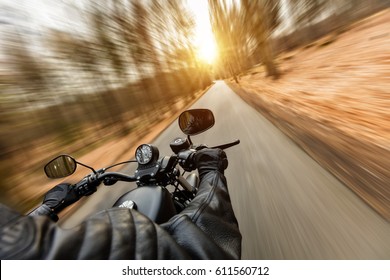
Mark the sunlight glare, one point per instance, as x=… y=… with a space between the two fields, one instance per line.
x=204 y=39
x=207 y=51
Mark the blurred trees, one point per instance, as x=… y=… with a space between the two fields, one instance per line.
x=262 y=17
x=310 y=20
x=124 y=63
x=254 y=31
x=242 y=30
x=305 y=12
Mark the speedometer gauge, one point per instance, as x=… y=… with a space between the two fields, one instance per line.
x=146 y=154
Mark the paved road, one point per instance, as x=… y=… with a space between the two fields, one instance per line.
x=287 y=206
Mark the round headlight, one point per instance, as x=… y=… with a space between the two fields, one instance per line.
x=145 y=154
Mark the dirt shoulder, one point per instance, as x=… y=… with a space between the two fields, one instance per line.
x=333 y=100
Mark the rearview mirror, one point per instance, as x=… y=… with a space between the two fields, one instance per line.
x=195 y=121
x=60 y=167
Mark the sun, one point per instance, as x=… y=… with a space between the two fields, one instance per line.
x=207 y=51
x=204 y=39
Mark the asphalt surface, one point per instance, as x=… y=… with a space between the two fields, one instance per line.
x=287 y=206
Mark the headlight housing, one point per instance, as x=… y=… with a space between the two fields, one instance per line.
x=146 y=154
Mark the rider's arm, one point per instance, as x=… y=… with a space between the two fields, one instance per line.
x=209 y=219
x=117 y=233
x=56 y=199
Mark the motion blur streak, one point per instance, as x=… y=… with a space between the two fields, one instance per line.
x=77 y=74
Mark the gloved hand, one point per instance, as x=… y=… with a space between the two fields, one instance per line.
x=60 y=196
x=210 y=159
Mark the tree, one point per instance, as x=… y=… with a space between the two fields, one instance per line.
x=242 y=30
x=305 y=12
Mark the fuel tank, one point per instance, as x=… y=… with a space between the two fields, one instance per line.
x=154 y=202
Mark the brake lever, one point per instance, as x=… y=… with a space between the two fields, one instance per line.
x=228 y=145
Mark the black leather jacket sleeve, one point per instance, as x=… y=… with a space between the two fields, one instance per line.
x=206 y=229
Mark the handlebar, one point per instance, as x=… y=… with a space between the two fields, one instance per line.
x=88 y=184
x=185 y=158
x=118 y=176
x=228 y=145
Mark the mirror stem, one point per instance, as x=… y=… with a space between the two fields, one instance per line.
x=93 y=170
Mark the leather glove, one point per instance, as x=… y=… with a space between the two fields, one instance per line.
x=207 y=160
x=60 y=196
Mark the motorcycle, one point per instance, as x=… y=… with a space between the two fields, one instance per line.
x=162 y=191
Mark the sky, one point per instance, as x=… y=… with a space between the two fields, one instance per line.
x=33 y=16
x=31 y=13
